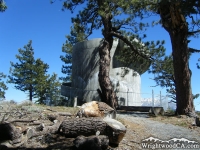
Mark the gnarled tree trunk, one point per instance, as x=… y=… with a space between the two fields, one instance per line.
x=107 y=93
x=175 y=24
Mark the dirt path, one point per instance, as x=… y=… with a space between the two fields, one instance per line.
x=140 y=128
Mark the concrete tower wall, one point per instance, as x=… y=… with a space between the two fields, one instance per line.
x=85 y=68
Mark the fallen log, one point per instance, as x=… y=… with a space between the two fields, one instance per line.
x=74 y=127
x=115 y=131
x=91 y=143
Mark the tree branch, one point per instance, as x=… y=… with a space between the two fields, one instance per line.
x=193 y=32
x=192 y=50
x=173 y=101
x=125 y=40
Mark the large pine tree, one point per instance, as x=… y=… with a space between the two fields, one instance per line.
x=107 y=15
x=180 y=19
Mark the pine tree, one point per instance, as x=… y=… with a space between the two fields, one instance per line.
x=41 y=83
x=29 y=74
x=163 y=71
x=22 y=73
x=105 y=15
x=89 y=19
x=53 y=90
x=178 y=19
x=3 y=86
x=76 y=35
x=178 y=30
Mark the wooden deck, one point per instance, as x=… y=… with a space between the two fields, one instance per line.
x=146 y=109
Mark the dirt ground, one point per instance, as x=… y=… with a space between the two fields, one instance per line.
x=162 y=127
x=138 y=127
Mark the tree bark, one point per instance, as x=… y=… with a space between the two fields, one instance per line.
x=30 y=93
x=74 y=127
x=108 y=94
x=175 y=24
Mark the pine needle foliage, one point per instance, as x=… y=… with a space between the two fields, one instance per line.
x=41 y=84
x=76 y=35
x=3 y=6
x=112 y=18
x=3 y=86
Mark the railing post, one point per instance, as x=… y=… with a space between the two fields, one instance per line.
x=127 y=98
x=160 y=100
x=75 y=101
x=152 y=98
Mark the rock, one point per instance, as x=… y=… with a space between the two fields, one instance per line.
x=9 y=132
x=40 y=127
x=30 y=133
x=197 y=121
x=91 y=143
x=52 y=116
x=157 y=111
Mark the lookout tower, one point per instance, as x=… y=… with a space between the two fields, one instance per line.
x=85 y=68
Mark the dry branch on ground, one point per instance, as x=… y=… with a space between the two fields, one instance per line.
x=42 y=128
